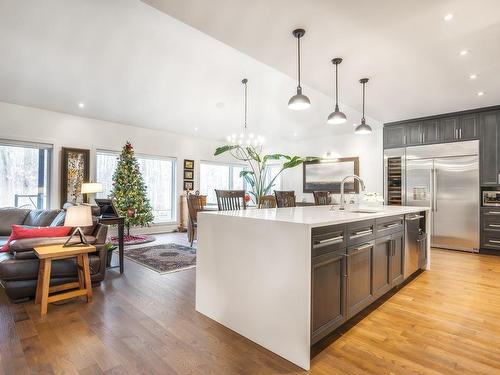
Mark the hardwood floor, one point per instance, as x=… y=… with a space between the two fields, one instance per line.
x=446 y=321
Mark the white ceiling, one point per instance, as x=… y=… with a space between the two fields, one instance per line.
x=132 y=64
x=410 y=53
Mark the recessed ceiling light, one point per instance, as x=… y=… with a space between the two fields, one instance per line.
x=448 y=17
x=195 y=129
x=473 y=76
x=81 y=105
x=295 y=134
x=480 y=93
x=464 y=52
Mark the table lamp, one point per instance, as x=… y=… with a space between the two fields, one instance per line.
x=77 y=216
x=91 y=188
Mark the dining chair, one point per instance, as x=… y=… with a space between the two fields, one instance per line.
x=285 y=198
x=195 y=205
x=322 y=198
x=267 y=201
x=230 y=200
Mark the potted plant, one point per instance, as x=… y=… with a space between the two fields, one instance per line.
x=255 y=175
x=109 y=247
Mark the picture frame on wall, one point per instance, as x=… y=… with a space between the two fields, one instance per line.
x=327 y=175
x=188 y=164
x=188 y=185
x=75 y=170
x=188 y=174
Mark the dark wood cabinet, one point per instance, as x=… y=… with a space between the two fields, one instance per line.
x=328 y=293
x=394 y=136
x=468 y=127
x=397 y=258
x=381 y=279
x=448 y=129
x=430 y=130
x=490 y=148
x=359 y=280
x=414 y=134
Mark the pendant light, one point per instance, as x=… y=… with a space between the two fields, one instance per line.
x=245 y=138
x=363 y=128
x=336 y=117
x=299 y=101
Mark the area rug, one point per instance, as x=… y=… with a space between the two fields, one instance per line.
x=163 y=258
x=133 y=240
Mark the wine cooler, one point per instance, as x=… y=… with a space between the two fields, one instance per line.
x=394 y=177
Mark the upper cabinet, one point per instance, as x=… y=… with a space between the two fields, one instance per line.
x=439 y=129
x=394 y=136
x=490 y=148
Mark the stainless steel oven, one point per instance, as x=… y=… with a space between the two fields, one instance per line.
x=491 y=198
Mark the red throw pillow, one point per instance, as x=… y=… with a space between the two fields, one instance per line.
x=20 y=232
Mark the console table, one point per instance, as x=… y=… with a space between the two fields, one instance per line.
x=120 y=221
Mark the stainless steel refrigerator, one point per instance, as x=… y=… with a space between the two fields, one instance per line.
x=445 y=177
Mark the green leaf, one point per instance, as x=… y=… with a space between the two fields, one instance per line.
x=253 y=154
x=222 y=149
x=272 y=157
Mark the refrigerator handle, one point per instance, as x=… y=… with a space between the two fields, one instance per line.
x=431 y=179
x=434 y=189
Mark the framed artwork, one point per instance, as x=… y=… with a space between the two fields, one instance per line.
x=188 y=164
x=188 y=175
x=75 y=170
x=327 y=174
x=188 y=185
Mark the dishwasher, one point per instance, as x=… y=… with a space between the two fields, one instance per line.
x=415 y=243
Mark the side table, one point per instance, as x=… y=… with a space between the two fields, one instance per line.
x=82 y=287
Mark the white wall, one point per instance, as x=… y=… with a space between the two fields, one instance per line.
x=369 y=149
x=63 y=130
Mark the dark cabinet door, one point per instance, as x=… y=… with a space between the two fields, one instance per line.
x=430 y=130
x=414 y=135
x=397 y=258
x=448 y=129
x=490 y=147
x=328 y=293
x=394 y=136
x=381 y=279
x=359 y=281
x=468 y=127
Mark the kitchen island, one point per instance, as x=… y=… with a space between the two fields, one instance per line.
x=285 y=278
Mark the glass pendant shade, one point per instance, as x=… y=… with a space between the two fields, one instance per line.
x=299 y=101
x=363 y=128
x=336 y=117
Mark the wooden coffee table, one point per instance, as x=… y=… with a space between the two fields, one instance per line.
x=82 y=287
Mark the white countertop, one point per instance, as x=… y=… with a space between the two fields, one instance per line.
x=316 y=216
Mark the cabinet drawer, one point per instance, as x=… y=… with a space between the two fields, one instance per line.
x=359 y=232
x=328 y=239
x=492 y=212
x=491 y=240
x=491 y=222
x=389 y=225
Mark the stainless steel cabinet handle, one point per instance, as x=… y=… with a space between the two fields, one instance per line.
x=414 y=217
x=362 y=233
x=460 y=133
x=392 y=225
x=495 y=225
x=330 y=240
x=493 y=241
x=494 y=213
x=364 y=246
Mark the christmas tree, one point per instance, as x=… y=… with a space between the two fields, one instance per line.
x=129 y=191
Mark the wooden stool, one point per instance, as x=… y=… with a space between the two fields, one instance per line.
x=82 y=287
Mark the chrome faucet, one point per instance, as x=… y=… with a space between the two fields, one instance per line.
x=361 y=183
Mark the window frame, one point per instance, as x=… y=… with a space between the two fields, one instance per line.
x=173 y=160
x=49 y=147
x=231 y=179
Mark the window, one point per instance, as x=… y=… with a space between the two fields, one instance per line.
x=24 y=174
x=219 y=176
x=158 y=174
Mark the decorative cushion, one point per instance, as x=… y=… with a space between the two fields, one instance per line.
x=19 y=231
x=40 y=218
x=58 y=220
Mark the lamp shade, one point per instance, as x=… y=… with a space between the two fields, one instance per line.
x=91 y=187
x=78 y=216
x=299 y=101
